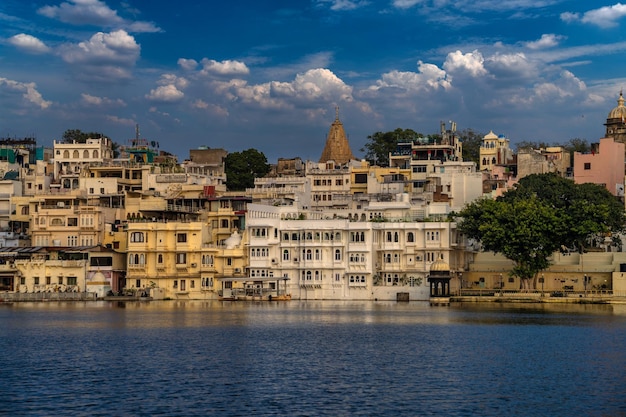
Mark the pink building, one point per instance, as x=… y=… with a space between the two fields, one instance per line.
x=603 y=166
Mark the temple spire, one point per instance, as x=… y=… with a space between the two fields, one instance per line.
x=337 y=148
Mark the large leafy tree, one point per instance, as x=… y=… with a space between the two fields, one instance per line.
x=588 y=210
x=518 y=229
x=380 y=144
x=543 y=214
x=243 y=167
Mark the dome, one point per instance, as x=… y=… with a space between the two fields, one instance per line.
x=439 y=266
x=618 y=112
x=491 y=135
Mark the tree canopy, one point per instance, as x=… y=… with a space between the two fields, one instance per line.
x=543 y=214
x=243 y=167
x=79 y=136
x=380 y=144
x=471 y=145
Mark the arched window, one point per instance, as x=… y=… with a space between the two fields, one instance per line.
x=66 y=154
x=395 y=237
x=285 y=255
x=85 y=154
x=160 y=258
x=409 y=237
x=95 y=154
x=75 y=154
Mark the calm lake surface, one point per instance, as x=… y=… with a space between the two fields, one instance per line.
x=296 y=358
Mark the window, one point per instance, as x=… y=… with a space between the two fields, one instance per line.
x=136 y=237
x=181 y=237
x=72 y=221
x=419 y=168
x=337 y=254
x=72 y=280
x=285 y=255
x=410 y=238
x=587 y=165
x=360 y=178
x=36 y=279
x=160 y=258
x=60 y=280
x=48 y=280
x=181 y=258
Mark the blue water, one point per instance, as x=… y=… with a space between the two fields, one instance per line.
x=311 y=359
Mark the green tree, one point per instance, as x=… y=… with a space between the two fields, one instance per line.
x=79 y=136
x=471 y=145
x=243 y=167
x=543 y=214
x=589 y=211
x=518 y=229
x=380 y=144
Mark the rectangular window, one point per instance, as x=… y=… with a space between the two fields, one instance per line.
x=48 y=280
x=419 y=168
x=60 y=281
x=72 y=281
x=181 y=258
x=36 y=279
x=360 y=178
x=181 y=237
x=587 y=165
x=72 y=221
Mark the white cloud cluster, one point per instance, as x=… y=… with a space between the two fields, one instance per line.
x=169 y=89
x=546 y=41
x=88 y=99
x=471 y=63
x=28 y=90
x=222 y=68
x=428 y=77
x=29 y=43
x=104 y=55
x=339 y=5
x=93 y=12
x=604 y=17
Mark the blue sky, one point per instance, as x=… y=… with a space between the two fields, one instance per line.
x=269 y=74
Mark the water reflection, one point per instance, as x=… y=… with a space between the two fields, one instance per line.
x=312 y=358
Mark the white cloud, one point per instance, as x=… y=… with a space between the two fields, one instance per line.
x=187 y=64
x=546 y=41
x=28 y=90
x=105 y=55
x=210 y=108
x=29 y=43
x=101 y=101
x=179 y=82
x=310 y=88
x=604 y=17
x=121 y=121
x=223 y=68
x=512 y=65
x=471 y=63
x=406 y=4
x=165 y=93
x=93 y=12
x=339 y=5
x=428 y=77
x=83 y=12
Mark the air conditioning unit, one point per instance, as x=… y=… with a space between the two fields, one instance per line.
x=193 y=265
x=237 y=270
x=274 y=261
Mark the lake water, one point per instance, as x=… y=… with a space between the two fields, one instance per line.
x=296 y=358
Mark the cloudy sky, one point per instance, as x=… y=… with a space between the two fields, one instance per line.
x=269 y=74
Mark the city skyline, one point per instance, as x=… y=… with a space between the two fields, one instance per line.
x=269 y=76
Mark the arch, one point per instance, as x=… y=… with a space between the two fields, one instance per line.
x=75 y=154
x=85 y=154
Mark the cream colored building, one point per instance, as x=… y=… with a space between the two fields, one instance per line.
x=494 y=150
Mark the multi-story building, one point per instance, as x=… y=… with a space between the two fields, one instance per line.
x=604 y=165
x=71 y=158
